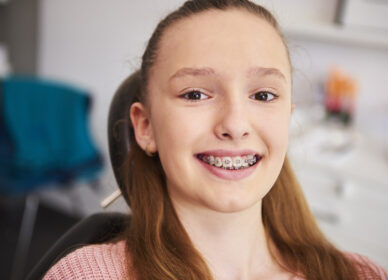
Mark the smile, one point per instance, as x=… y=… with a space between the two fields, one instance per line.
x=230 y=163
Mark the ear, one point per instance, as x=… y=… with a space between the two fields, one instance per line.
x=142 y=127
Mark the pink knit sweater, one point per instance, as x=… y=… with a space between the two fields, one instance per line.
x=108 y=261
x=92 y=262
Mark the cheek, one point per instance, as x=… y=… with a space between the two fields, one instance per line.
x=177 y=135
x=177 y=129
x=275 y=131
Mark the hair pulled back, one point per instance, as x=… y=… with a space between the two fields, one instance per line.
x=158 y=245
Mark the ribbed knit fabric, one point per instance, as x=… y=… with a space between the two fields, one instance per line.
x=367 y=269
x=92 y=262
x=108 y=261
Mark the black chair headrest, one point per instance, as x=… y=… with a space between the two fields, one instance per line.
x=120 y=130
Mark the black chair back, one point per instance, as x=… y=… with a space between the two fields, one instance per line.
x=97 y=228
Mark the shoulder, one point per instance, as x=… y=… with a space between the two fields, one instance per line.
x=101 y=261
x=367 y=269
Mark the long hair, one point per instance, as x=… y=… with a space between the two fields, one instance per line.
x=158 y=245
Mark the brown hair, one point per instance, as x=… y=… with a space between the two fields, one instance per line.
x=158 y=245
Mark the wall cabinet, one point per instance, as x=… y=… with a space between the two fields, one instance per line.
x=347 y=191
x=338 y=34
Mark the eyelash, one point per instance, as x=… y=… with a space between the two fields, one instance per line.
x=189 y=96
x=266 y=93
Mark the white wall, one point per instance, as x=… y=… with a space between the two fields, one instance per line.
x=96 y=43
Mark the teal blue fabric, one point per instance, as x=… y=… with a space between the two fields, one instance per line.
x=48 y=125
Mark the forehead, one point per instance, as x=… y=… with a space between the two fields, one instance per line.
x=225 y=39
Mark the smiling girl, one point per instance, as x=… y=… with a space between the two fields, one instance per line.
x=211 y=191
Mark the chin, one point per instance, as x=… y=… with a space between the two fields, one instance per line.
x=232 y=205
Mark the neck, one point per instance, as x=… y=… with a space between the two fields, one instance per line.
x=234 y=245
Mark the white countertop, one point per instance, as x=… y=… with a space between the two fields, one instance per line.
x=342 y=151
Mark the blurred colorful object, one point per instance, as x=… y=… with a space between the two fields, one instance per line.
x=340 y=96
x=45 y=135
x=44 y=141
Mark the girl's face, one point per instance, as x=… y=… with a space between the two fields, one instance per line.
x=219 y=109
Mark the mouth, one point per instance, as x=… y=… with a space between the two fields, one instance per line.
x=230 y=162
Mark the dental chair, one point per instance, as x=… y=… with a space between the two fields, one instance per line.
x=100 y=227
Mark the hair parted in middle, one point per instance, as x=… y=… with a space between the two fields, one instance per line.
x=158 y=245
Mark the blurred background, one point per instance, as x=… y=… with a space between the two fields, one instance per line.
x=84 y=49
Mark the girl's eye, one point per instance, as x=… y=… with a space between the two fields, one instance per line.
x=263 y=96
x=194 y=95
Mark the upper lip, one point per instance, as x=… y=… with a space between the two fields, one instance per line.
x=229 y=153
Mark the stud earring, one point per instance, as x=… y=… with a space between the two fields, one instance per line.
x=147 y=151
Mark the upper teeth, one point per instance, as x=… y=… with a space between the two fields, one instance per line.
x=237 y=162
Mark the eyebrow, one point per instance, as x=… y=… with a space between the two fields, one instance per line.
x=187 y=71
x=266 y=71
x=205 y=71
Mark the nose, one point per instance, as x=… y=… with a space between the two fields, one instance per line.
x=232 y=122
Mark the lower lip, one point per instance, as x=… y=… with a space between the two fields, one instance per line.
x=229 y=174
